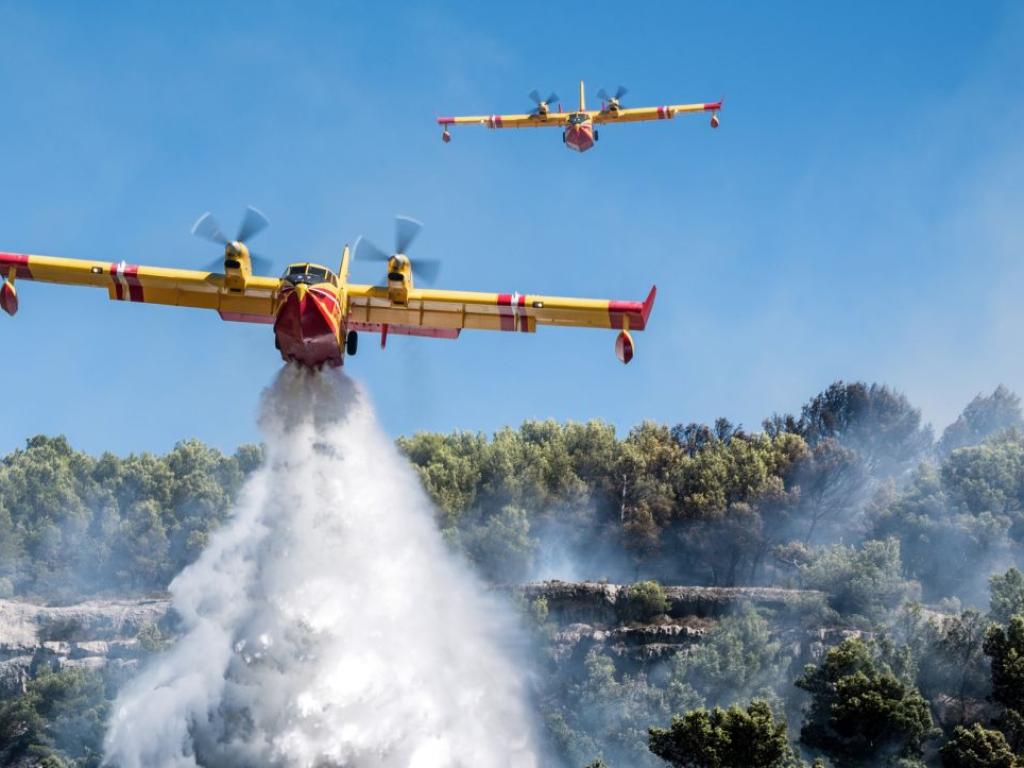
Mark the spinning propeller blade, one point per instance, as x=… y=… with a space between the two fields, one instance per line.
x=253 y=222
x=426 y=269
x=206 y=227
x=542 y=103
x=619 y=93
x=406 y=230
x=365 y=250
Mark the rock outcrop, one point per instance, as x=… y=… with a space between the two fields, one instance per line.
x=93 y=634
x=599 y=603
x=583 y=615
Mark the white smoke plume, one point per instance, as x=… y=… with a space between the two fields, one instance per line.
x=326 y=624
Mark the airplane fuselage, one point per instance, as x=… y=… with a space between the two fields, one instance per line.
x=310 y=328
x=579 y=134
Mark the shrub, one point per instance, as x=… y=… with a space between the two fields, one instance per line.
x=643 y=601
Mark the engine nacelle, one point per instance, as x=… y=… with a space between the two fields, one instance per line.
x=624 y=347
x=8 y=298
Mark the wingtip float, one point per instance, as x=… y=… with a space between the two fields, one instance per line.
x=579 y=127
x=316 y=312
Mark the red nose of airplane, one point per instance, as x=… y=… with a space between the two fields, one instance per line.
x=304 y=329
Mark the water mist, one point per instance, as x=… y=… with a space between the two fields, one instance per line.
x=326 y=624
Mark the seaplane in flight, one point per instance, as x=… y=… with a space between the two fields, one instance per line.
x=317 y=314
x=579 y=128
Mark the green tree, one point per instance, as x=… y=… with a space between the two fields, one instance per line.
x=832 y=483
x=60 y=717
x=977 y=747
x=643 y=601
x=501 y=545
x=940 y=540
x=960 y=658
x=865 y=581
x=878 y=423
x=986 y=478
x=983 y=417
x=1006 y=595
x=1005 y=646
x=860 y=712
x=740 y=659
x=608 y=713
x=732 y=738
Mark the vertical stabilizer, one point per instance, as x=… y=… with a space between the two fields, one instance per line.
x=583 y=106
x=343 y=272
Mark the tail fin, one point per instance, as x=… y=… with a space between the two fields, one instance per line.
x=343 y=272
x=583 y=106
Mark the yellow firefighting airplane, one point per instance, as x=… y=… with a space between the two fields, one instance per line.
x=317 y=313
x=579 y=127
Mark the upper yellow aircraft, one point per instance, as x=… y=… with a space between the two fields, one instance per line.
x=316 y=313
x=580 y=131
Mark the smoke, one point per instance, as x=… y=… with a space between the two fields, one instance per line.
x=326 y=624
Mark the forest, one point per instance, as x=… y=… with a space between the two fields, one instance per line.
x=913 y=539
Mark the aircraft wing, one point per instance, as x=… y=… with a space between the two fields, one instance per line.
x=650 y=113
x=549 y=120
x=444 y=314
x=150 y=285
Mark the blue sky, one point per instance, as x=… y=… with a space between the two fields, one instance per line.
x=857 y=215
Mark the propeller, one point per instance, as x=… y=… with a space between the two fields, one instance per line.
x=406 y=230
x=543 y=105
x=253 y=222
x=613 y=101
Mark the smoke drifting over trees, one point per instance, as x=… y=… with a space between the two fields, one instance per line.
x=913 y=541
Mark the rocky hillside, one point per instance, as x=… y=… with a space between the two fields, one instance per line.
x=589 y=616
x=92 y=634
x=583 y=615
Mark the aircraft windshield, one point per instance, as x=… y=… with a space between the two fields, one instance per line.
x=309 y=274
x=577 y=119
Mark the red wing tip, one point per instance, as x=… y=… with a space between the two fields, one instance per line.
x=445 y=120
x=715 y=105
x=649 y=303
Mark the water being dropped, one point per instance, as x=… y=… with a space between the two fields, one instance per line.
x=326 y=624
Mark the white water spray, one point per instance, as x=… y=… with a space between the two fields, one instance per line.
x=325 y=624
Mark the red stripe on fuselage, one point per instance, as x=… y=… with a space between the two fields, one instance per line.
x=131 y=276
x=118 y=285
x=505 y=313
x=521 y=319
x=17 y=260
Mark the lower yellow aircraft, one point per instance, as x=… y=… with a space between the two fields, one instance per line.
x=579 y=127
x=317 y=313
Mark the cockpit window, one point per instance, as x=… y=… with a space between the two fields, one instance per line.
x=309 y=274
x=577 y=118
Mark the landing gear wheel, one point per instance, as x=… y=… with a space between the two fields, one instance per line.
x=595 y=134
x=351 y=343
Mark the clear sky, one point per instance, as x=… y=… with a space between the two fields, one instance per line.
x=858 y=215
